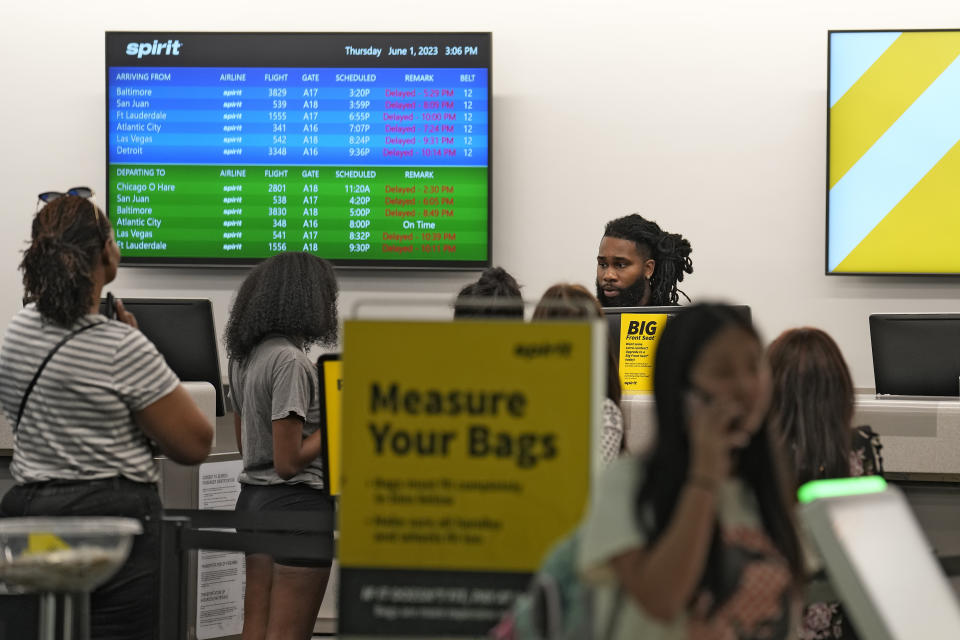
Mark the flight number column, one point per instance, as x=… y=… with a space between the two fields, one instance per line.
x=274 y=192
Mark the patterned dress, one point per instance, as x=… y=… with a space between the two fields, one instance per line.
x=753 y=597
x=827 y=620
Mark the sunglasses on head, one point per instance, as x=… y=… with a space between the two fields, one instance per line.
x=50 y=196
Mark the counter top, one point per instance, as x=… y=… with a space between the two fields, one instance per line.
x=920 y=437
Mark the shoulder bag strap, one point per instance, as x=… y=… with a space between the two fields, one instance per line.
x=36 y=376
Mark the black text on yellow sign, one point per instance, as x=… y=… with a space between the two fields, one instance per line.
x=479 y=440
x=639 y=334
x=472 y=455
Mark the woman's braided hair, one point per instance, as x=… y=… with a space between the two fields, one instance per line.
x=66 y=240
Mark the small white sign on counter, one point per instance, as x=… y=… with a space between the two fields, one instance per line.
x=221 y=575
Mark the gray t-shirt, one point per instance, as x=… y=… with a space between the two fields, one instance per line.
x=276 y=380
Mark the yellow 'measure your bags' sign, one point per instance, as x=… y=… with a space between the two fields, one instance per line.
x=466 y=455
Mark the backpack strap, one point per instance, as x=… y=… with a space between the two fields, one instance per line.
x=36 y=376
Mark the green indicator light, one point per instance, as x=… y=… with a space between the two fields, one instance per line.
x=840 y=487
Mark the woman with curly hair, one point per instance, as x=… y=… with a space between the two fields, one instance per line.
x=286 y=304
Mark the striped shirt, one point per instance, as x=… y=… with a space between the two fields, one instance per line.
x=78 y=422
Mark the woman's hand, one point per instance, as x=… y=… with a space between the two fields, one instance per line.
x=713 y=437
x=125 y=316
x=291 y=451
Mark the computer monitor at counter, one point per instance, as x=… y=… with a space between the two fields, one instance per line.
x=183 y=331
x=916 y=354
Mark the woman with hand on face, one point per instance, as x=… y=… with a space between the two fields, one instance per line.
x=85 y=433
x=697 y=540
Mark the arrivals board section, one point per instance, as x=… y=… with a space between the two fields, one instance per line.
x=366 y=149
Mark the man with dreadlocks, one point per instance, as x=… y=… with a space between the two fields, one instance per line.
x=639 y=264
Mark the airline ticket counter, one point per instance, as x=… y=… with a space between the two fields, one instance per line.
x=921 y=438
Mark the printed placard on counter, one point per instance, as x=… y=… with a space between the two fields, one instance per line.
x=466 y=455
x=221 y=575
x=639 y=334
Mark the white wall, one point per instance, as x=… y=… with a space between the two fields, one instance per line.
x=707 y=116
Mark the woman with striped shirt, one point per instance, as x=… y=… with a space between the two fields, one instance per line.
x=86 y=433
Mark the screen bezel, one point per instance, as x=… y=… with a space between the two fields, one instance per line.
x=339 y=264
x=826 y=247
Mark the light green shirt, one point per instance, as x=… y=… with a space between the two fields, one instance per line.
x=759 y=603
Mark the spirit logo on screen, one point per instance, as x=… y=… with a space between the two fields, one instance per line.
x=155 y=48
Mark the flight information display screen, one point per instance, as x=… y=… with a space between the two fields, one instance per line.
x=368 y=149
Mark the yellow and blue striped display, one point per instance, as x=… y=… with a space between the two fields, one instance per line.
x=894 y=158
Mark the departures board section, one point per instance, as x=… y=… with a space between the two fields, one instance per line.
x=366 y=149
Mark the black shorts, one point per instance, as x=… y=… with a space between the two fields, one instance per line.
x=288 y=497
